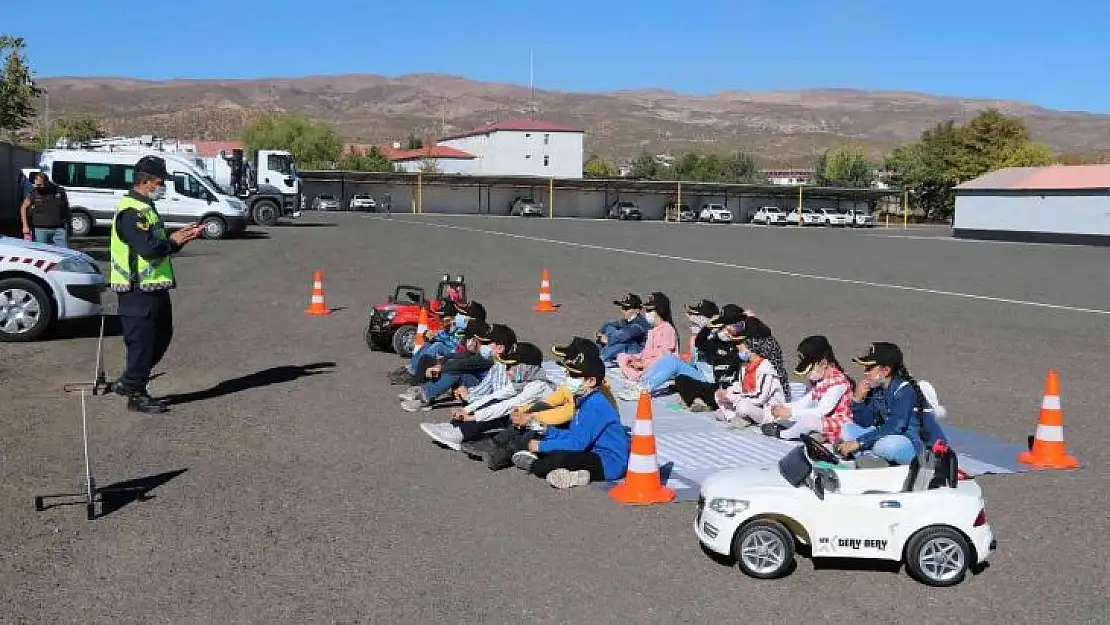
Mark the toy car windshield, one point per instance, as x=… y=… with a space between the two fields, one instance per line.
x=795 y=467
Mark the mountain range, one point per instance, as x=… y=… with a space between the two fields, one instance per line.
x=787 y=128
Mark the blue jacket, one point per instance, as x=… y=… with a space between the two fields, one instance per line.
x=596 y=426
x=630 y=332
x=450 y=339
x=895 y=406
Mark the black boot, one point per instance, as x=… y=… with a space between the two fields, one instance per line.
x=144 y=403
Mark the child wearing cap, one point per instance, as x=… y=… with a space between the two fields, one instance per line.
x=760 y=387
x=443 y=342
x=661 y=339
x=705 y=322
x=528 y=382
x=891 y=416
x=595 y=445
x=496 y=384
x=825 y=407
x=466 y=369
x=627 y=334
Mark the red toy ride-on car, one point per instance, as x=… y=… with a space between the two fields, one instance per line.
x=393 y=324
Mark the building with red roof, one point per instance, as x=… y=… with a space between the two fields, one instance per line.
x=1054 y=204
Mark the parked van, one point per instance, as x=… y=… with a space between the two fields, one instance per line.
x=95 y=181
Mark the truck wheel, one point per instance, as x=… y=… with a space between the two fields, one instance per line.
x=764 y=549
x=80 y=223
x=264 y=213
x=938 y=556
x=26 y=311
x=404 y=340
x=214 y=227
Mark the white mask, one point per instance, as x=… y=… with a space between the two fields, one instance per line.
x=576 y=385
x=651 y=317
x=724 y=335
x=158 y=193
x=815 y=375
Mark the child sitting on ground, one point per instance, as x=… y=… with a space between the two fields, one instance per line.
x=445 y=342
x=662 y=339
x=825 y=407
x=760 y=387
x=625 y=335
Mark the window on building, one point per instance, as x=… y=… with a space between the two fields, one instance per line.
x=546 y=160
x=546 y=138
x=527 y=135
x=527 y=156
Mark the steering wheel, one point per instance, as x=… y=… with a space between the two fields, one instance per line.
x=817 y=451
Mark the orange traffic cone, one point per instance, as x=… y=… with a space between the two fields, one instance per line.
x=1046 y=448
x=689 y=355
x=317 y=306
x=421 y=329
x=642 y=484
x=545 y=305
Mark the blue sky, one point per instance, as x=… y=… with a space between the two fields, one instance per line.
x=1053 y=54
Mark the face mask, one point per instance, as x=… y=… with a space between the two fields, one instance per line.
x=651 y=317
x=724 y=335
x=518 y=376
x=460 y=321
x=745 y=356
x=158 y=193
x=815 y=375
x=486 y=351
x=576 y=385
x=629 y=315
x=697 y=321
x=878 y=380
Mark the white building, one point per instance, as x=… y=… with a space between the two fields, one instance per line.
x=789 y=177
x=440 y=159
x=522 y=148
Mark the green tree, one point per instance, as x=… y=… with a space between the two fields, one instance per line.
x=741 y=168
x=314 y=145
x=414 y=143
x=428 y=165
x=848 y=167
x=644 y=167
x=18 y=90
x=78 y=130
x=370 y=160
x=1028 y=154
x=597 y=167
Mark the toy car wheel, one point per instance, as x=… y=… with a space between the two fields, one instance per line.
x=764 y=549
x=373 y=342
x=404 y=341
x=938 y=556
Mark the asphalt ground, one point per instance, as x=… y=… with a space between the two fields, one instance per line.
x=288 y=486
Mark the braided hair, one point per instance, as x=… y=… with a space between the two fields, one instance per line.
x=904 y=373
x=830 y=357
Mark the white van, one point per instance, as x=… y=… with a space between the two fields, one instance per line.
x=95 y=181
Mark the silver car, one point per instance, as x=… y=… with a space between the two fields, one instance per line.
x=524 y=207
x=325 y=202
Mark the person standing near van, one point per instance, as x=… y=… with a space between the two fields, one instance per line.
x=388 y=201
x=45 y=212
x=142 y=276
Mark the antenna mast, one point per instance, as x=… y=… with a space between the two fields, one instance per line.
x=532 y=82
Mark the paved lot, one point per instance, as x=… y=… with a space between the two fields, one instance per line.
x=307 y=494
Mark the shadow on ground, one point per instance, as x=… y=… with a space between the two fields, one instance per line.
x=117 y=495
x=259 y=379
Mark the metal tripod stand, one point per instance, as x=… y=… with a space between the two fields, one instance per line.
x=98 y=386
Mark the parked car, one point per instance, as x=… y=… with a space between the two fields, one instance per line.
x=832 y=217
x=861 y=219
x=715 y=213
x=43 y=284
x=325 y=202
x=363 y=202
x=625 y=209
x=526 y=207
x=809 y=217
x=679 y=212
x=769 y=216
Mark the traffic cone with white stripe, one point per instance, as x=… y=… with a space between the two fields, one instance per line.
x=317 y=307
x=1046 y=448
x=642 y=484
x=545 y=305
x=421 y=330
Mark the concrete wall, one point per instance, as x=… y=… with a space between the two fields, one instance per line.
x=12 y=160
x=514 y=153
x=465 y=166
x=1059 y=213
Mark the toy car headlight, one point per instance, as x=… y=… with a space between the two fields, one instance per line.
x=728 y=507
x=389 y=314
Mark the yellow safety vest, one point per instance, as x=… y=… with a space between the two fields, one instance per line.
x=130 y=269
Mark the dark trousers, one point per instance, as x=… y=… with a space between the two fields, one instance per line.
x=473 y=430
x=513 y=439
x=572 y=461
x=147 y=323
x=690 y=389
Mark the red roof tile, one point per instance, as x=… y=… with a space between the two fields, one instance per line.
x=1051 y=178
x=432 y=151
x=209 y=149
x=515 y=125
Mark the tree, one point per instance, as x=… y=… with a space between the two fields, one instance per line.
x=314 y=145
x=1028 y=154
x=414 y=143
x=644 y=167
x=741 y=168
x=428 y=165
x=371 y=160
x=597 y=167
x=18 y=90
x=77 y=130
x=848 y=167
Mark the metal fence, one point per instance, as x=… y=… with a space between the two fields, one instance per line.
x=12 y=160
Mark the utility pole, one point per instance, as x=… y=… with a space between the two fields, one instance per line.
x=46 y=121
x=532 y=83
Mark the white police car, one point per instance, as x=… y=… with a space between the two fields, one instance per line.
x=925 y=514
x=43 y=284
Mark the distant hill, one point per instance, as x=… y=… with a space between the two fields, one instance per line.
x=786 y=128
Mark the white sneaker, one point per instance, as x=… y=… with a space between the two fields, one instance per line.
x=632 y=393
x=565 y=478
x=523 y=460
x=444 y=433
x=413 y=405
x=412 y=393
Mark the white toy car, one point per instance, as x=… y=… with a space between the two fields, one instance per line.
x=41 y=284
x=925 y=516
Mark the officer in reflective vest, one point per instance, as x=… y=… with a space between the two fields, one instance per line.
x=142 y=276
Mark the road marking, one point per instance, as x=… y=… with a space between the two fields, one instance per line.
x=776 y=272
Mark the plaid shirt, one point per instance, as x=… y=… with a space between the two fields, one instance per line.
x=832 y=422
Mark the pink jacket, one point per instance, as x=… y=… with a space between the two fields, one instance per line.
x=661 y=340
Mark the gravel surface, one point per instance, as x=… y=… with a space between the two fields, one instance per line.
x=288 y=486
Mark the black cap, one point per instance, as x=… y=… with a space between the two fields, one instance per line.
x=577 y=345
x=630 y=300
x=705 y=308
x=730 y=315
x=447 y=308
x=522 y=354
x=586 y=366
x=475 y=329
x=754 y=328
x=153 y=166
x=811 y=350
x=498 y=333
x=655 y=300
x=474 y=310
x=881 y=354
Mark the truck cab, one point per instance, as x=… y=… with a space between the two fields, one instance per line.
x=269 y=183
